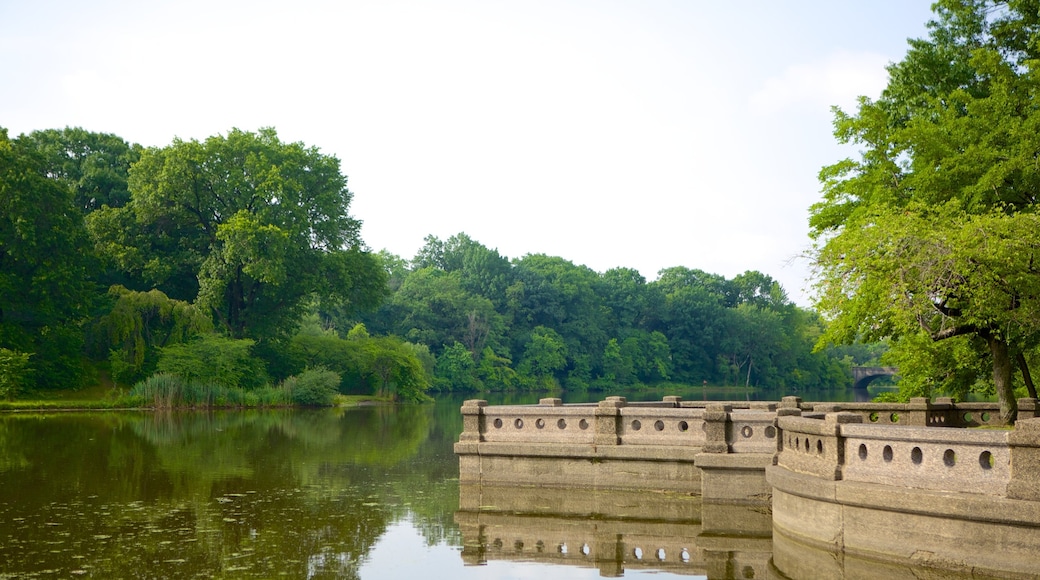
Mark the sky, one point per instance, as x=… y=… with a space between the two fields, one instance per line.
x=643 y=134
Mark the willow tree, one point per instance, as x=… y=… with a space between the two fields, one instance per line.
x=931 y=232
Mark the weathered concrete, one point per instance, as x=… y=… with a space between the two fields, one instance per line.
x=912 y=497
x=869 y=488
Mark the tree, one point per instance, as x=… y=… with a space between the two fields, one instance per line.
x=139 y=325
x=93 y=166
x=545 y=355
x=261 y=224
x=46 y=290
x=930 y=232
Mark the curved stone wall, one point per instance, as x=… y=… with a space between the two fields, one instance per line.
x=937 y=498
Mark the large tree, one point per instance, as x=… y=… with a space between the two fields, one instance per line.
x=45 y=286
x=262 y=225
x=930 y=232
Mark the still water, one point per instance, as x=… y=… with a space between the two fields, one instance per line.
x=368 y=493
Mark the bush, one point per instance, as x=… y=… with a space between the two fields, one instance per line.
x=313 y=387
x=15 y=373
x=214 y=359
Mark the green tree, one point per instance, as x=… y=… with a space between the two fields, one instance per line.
x=139 y=325
x=545 y=355
x=262 y=225
x=211 y=358
x=93 y=166
x=46 y=290
x=930 y=231
x=14 y=372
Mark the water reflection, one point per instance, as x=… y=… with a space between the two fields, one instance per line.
x=617 y=533
x=246 y=494
x=367 y=493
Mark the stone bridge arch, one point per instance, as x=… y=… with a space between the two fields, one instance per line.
x=863 y=376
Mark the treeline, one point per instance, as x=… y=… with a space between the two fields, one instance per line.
x=232 y=265
x=542 y=322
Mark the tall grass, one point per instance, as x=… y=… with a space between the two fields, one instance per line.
x=166 y=391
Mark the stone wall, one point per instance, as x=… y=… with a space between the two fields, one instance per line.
x=950 y=499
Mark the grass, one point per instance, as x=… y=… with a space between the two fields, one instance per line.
x=106 y=397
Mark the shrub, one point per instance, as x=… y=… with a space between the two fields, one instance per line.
x=214 y=359
x=15 y=373
x=313 y=387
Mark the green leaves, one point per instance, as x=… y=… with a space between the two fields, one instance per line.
x=933 y=229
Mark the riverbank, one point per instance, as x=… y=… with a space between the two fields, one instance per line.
x=109 y=399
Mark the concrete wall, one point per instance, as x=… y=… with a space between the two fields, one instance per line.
x=942 y=499
x=871 y=488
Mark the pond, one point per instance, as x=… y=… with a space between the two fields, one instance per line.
x=368 y=493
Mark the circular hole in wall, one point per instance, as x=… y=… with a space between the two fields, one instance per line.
x=659 y=425
x=636 y=425
x=519 y=423
x=660 y=554
x=873 y=417
x=585 y=549
x=916 y=456
x=986 y=460
x=863 y=451
x=950 y=458
x=685 y=555
x=894 y=417
x=886 y=453
x=684 y=426
x=770 y=432
x=638 y=553
x=819 y=447
x=967 y=417
x=540 y=423
x=562 y=548
x=747 y=431
x=562 y=424
x=985 y=417
x=497 y=423
x=583 y=424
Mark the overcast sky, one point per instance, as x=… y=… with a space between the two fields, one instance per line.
x=643 y=134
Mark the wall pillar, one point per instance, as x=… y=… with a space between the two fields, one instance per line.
x=1025 y=460
x=608 y=421
x=716 y=418
x=473 y=420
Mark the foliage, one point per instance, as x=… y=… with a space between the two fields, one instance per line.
x=168 y=391
x=251 y=236
x=237 y=212
x=45 y=289
x=214 y=359
x=312 y=388
x=139 y=325
x=929 y=234
x=382 y=366
x=15 y=373
x=92 y=166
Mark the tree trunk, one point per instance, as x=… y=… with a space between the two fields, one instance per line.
x=1028 y=378
x=1002 y=374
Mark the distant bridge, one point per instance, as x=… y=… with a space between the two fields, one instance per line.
x=862 y=376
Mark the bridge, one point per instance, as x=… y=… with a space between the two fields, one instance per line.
x=863 y=376
x=874 y=477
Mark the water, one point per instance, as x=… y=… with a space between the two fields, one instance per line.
x=368 y=493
